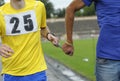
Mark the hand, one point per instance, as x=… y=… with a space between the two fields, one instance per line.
x=6 y=51
x=53 y=39
x=68 y=49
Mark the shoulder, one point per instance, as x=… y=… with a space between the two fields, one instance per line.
x=34 y=3
x=39 y=3
x=5 y=6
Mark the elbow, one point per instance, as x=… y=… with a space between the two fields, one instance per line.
x=70 y=12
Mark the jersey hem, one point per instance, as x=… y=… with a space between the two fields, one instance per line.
x=23 y=74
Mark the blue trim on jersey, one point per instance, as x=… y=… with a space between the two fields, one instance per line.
x=40 y=76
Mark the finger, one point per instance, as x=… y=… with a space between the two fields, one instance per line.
x=8 y=49
x=70 y=53
x=5 y=54
x=56 y=43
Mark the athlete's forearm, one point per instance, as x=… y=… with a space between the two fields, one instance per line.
x=45 y=31
x=50 y=36
x=69 y=17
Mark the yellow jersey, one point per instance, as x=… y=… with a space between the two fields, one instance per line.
x=20 y=29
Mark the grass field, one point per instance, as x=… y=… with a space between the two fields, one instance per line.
x=84 y=49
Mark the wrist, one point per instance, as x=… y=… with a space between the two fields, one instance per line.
x=68 y=43
x=48 y=37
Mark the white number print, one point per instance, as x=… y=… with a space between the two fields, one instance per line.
x=21 y=23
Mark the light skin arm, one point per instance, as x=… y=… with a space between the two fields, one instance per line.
x=45 y=32
x=5 y=50
x=74 y=6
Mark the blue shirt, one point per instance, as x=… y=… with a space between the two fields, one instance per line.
x=108 y=14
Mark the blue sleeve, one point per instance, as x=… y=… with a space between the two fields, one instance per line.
x=87 y=2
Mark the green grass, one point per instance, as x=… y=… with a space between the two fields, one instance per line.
x=83 y=49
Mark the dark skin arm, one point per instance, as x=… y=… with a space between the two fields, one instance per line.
x=74 y=6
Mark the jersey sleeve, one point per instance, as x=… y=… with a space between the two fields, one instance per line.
x=43 y=21
x=88 y=2
x=0 y=24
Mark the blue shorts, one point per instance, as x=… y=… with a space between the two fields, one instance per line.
x=40 y=76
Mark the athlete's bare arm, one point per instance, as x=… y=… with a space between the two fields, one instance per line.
x=69 y=17
x=45 y=32
x=69 y=20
